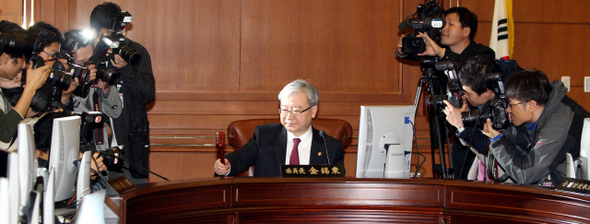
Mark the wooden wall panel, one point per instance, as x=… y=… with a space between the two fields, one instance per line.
x=216 y=61
x=342 y=46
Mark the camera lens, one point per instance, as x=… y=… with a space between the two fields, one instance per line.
x=59 y=79
x=14 y=43
x=129 y=55
x=413 y=45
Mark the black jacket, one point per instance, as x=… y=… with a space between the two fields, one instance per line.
x=137 y=88
x=266 y=150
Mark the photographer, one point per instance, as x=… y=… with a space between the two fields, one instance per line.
x=12 y=62
x=547 y=124
x=479 y=92
x=101 y=97
x=137 y=90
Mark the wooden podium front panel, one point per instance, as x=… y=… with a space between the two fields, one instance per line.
x=349 y=200
x=514 y=202
x=162 y=202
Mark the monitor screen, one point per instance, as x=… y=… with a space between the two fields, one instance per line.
x=65 y=149
x=385 y=141
x=27 y=162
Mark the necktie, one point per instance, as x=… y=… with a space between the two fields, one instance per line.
x=294 y=160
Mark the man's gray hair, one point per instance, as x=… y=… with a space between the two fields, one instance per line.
x=300 y=85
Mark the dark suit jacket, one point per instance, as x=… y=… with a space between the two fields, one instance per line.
x=266 y=150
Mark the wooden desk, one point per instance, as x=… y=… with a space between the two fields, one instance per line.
x=293 y=200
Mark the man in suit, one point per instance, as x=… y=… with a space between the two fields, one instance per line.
x=292 y=142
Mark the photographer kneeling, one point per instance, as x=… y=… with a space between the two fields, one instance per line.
x=547 y=124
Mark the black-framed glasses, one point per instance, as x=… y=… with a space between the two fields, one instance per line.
x=294 y=111
x=514 y=104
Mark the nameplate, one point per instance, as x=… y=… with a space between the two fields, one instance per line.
x=320 y=171
x=575 y=185
x=121 y=184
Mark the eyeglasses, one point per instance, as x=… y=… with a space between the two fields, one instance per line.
x=294 y=112
x=514 y=104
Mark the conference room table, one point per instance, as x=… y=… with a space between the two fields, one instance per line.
x=348 y=200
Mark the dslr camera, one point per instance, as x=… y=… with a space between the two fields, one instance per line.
x=57 y=75
x=15 y=43
x=74 y=40
x=92 y=120
x=454 y=88
x=427 y=19
x=496 y=110
x=118 y=42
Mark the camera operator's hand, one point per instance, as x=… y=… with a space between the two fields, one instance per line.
x=119 y=62
x=432 y=49
x=488 y=130
x=454 y=114
x=9 y=84
x=222 y=168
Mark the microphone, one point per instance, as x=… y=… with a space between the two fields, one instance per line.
x=403 y=25
x=126 y=160
x=323 y=135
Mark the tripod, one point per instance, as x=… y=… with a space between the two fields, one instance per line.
x=430 y=79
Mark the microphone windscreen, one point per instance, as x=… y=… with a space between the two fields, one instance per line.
x=403 y=25
x=322 y=133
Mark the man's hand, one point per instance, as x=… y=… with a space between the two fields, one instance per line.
x=102 y=85
x=432 y=49
x=66 y=94
x=9 y=84
x=37 y=77
x=488 y=130
x=93 y=70
x=119 y=62
x=222 y=168
x=454 y=114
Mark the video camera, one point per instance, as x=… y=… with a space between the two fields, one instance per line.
x=496 y=110
x=454 y=88
x=427 y=19
x=90 y=121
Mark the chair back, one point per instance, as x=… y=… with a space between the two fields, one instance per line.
x=239 y=132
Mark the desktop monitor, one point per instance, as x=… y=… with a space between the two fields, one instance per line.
x=27 y=162
x=385 y=141
x=65 y=149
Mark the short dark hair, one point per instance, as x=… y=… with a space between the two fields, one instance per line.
x=467 y=19
x=473 y=73
x=102 y=15
x=529 y=85
x=40 y=26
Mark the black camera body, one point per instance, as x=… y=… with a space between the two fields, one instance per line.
x=119 y=43
x=496 y=112
x=74 y=40
x=90 y=121
x=454 y=88
x=57 y=76
x=427 y=19
x=497 y=109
